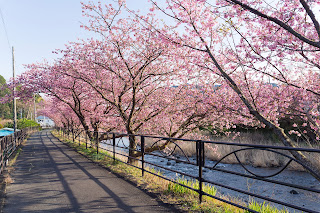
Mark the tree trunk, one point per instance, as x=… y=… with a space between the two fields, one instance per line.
x=95 y=136
x=132 y=159
x=315 y=170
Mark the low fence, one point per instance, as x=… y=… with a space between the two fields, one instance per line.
x=11 y=142
x=150 y=147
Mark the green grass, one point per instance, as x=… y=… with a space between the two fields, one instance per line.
x=170 y=192
x=181 y=190
x=14 y=159
x=264 y=208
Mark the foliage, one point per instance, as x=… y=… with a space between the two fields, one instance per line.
x=9 y=125
x=5 y=108
x=23 y=123
x=24 y=107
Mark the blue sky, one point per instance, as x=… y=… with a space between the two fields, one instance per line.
x=37 y=27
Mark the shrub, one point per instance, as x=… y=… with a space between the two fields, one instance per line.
x=9 y=125
x=23 y=123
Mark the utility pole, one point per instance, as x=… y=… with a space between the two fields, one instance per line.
x=14 y=98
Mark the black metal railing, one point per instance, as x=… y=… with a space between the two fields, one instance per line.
x=11 y=142
x=117 y=144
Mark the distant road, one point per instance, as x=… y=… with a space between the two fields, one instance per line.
x=50 y=177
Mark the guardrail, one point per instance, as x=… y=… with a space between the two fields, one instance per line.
x=11 y=142
x=117 y=145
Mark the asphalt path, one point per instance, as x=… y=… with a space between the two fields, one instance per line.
x=51 y=177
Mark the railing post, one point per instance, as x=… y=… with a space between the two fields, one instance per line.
x=200 y=163
x=19 y=139
x=6 y=152
x=11 y=144
x=114 y=146
x=97 y=142
x=142 y=155
x=2 y=158
x=86 y=139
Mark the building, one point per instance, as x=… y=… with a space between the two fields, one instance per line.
x=45 y=122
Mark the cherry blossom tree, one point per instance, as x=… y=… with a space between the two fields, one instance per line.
x=246 y=42
x=60 y=113
x=135 y=74
x=128 y=69
x=51 y=80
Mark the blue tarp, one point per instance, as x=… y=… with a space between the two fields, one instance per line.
x=6 y=131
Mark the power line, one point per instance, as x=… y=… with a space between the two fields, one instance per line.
x=5 y=29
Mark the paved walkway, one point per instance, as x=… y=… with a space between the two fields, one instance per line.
x=50 y=177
